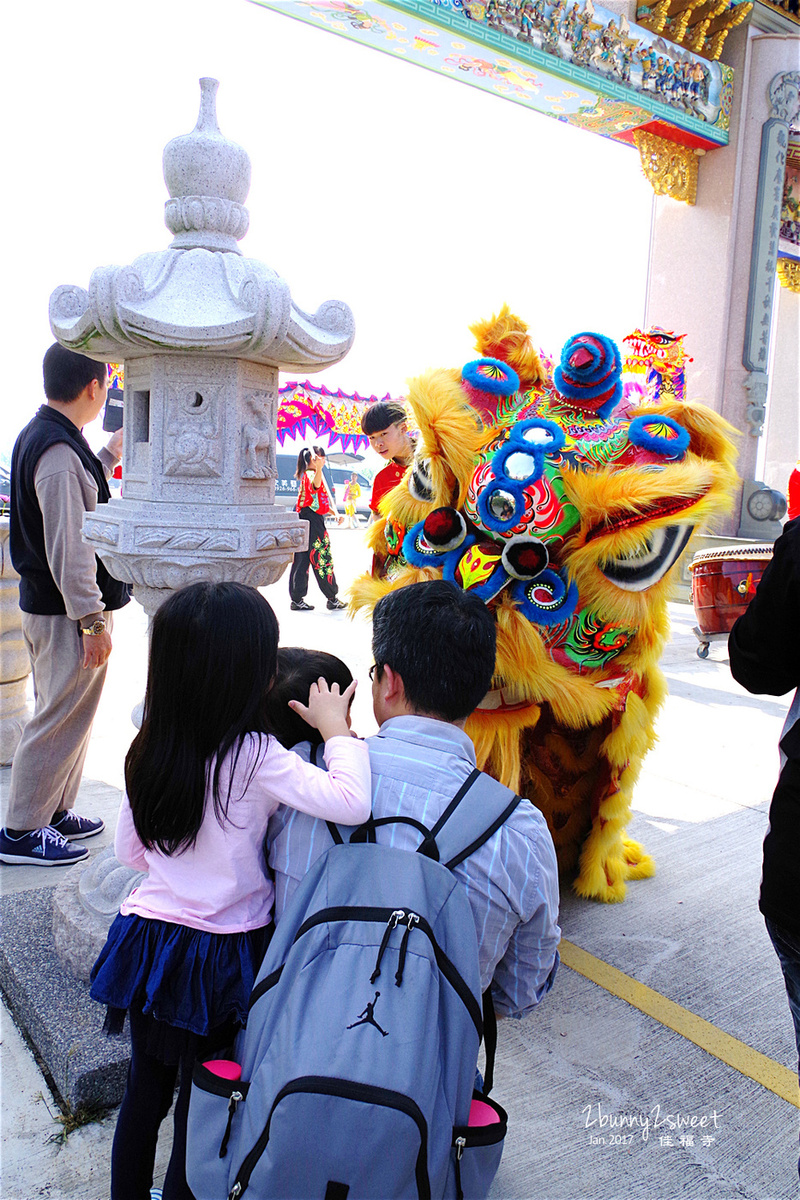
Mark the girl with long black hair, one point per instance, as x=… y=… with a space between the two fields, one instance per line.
x=313 y=505
x=202 y=777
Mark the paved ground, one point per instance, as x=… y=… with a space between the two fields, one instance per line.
x=661 y=1065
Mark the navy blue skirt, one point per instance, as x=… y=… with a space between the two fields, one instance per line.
x=185 y=978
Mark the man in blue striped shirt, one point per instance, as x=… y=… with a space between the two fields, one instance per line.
x=434 y=648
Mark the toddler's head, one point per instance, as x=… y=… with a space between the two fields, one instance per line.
x=297 y=670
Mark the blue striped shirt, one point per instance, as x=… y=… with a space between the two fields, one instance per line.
x=418 y=764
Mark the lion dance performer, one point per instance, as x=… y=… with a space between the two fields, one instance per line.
x=565 y=505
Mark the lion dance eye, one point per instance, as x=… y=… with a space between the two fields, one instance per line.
x=660 y=435
x=491 y=375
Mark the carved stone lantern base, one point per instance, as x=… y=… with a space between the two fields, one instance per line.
x=159 y=552
x=84 y=904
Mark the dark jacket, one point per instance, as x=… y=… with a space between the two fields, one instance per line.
x=764 y=648
x=38 y=592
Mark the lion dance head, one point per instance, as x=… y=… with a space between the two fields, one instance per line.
x=564 y=500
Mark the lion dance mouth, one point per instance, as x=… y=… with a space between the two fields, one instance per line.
x=563 y=497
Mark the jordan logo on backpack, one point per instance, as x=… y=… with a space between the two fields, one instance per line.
x=367 y=1017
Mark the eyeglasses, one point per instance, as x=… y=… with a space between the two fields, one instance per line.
x=372 y=671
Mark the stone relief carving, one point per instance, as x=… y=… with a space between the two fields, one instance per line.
x=756 y=385
x=258 y=438
x=98 y=531
x=193 y=445
x=187 y=539
x=171 y=574
x=784 y=96
x=283 y=539
x=185 y=214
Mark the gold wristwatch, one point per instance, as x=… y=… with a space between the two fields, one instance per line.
x=95 y=629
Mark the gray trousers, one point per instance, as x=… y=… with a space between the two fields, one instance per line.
x=48 y=764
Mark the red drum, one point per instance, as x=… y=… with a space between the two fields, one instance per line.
x=724 y=582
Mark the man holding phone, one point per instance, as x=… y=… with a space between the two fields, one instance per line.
x=67 y=597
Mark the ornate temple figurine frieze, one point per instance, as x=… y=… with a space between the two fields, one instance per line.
x=574 y=60
x=203 y=332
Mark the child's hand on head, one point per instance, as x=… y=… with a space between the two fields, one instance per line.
x=327 y=708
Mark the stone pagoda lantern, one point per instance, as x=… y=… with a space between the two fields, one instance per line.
x=203 y=332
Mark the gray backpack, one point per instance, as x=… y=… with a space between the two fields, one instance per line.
x=359 y=1056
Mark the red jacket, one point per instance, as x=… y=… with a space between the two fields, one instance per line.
x=314 y=498
x=384 y=481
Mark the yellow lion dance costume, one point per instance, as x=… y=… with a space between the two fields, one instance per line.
x=563 y=499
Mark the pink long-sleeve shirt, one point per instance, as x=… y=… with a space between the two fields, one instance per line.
x=220 y=884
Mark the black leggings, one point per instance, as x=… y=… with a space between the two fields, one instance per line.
x=147 y=1100
x=318 y=556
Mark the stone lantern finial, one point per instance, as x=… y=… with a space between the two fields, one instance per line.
x=208 y=178
x=201 y=294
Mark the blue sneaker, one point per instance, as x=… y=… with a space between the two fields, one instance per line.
x=75 y=828
x=156 y=1193
x=39 y=848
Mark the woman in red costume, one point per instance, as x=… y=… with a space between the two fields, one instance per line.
x=313 y=506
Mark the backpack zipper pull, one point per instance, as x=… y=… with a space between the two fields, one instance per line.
x=413 y=920
x=394 y=920
x=461 y=1143
x=232 y=1103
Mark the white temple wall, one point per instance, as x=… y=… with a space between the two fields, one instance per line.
x=700 y=255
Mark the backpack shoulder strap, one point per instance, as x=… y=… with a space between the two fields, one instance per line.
x=476 y=812
x=478 y=809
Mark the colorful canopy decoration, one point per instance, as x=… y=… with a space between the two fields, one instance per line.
x=308 y=411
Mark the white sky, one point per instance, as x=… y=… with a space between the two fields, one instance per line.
x=421 y=202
